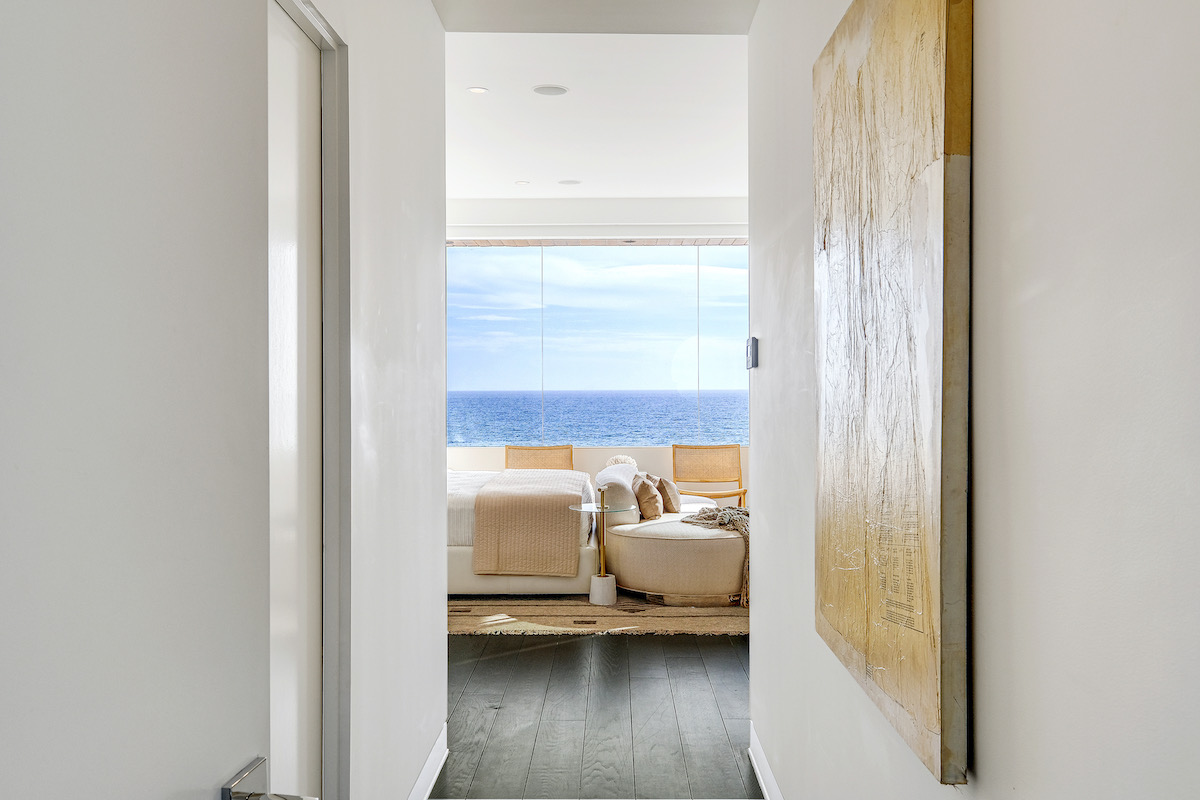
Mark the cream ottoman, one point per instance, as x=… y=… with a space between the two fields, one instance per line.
x=679 y=563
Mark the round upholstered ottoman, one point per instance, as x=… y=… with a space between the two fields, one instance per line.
x=680 y=563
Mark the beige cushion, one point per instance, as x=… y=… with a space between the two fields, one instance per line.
x=672 y=502
x=649 y=500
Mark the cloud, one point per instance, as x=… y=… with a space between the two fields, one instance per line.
x=493 y=342
x=619 y=315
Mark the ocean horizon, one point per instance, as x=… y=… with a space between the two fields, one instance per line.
x=649 y=418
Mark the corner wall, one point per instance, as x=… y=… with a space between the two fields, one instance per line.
x=1086 y=366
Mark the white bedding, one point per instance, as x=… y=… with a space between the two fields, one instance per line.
x=461 y=488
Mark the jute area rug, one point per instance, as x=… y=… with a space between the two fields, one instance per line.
x=573 y=614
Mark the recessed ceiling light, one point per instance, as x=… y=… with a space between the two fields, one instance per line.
x=477 y=89
x=570 y=183
x=521 y=183
x=550 y=89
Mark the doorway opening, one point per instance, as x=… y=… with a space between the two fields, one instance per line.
x=597 y=292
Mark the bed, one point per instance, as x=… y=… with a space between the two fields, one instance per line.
x=529 y=499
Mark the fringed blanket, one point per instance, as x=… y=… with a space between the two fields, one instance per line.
x=524 y=524
x=731 y=519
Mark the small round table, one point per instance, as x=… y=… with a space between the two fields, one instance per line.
x=604 y=586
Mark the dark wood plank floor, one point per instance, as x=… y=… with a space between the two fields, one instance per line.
x=598 y=717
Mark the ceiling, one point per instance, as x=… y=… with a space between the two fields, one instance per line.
x=597 y=16
x=646 y=115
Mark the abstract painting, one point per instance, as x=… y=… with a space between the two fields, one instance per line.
x=892 y=164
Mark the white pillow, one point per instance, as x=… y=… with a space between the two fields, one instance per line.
x=618 y=491
x=620 y=460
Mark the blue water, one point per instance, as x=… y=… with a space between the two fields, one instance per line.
x=597 y=419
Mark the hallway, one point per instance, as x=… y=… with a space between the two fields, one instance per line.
x=598 y=716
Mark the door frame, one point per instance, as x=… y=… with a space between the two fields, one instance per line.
x=335 y=398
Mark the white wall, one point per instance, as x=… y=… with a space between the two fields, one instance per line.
x=1086 y=366
x=133 y=398
x=655 y=460
x=597 y=218
x=133 y=403
x=398 y=393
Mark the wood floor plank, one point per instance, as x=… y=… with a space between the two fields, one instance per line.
x=607 y=765
x=504 y=764
x=680 y=645
x=466 y=732
x=739 y=738
x=658 y=762
x=741 y=646
x=646 y=658
x=718 y=649
x=462 y=654
x=468 y=647
x=730 y=683
x=711 y=765
x=557 y=760
x=497 y=660
x=567 y=694
x=531 y=675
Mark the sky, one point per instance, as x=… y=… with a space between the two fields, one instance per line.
x=617 y=318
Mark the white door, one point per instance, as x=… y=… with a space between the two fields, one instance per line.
x=294 y=218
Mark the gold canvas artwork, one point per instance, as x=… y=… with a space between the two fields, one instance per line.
x=891 y=156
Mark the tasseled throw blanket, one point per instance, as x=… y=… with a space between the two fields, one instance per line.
x=729 y=518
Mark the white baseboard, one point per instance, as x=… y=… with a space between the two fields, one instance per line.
x=433 y=766
x=762 y=769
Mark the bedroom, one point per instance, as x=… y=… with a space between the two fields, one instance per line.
x=597 y=286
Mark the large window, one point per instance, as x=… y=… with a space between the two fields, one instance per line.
x=596 y=346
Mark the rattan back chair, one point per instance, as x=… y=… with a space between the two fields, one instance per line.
x=559 y=456
x=717 y=463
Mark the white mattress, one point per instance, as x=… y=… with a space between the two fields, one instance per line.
x=461 y=488
x=461 y=579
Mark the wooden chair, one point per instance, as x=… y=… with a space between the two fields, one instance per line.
x=561 y=456
x=718 y=463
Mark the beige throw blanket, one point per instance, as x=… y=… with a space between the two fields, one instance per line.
x=524 y=524
x=730 y=519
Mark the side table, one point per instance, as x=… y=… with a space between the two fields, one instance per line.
x=604 y=586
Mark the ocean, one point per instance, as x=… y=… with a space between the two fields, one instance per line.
x=597 y=419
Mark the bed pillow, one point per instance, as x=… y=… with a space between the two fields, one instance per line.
x=649 y=500
x=618 y=483
x=620 y=460
x=672 y=502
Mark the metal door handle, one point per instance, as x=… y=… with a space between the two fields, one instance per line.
x=250 y=784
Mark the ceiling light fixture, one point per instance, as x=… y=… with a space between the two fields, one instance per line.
x=521 y=183
x=550 y=89
x=477 y=89
x=570 y=183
